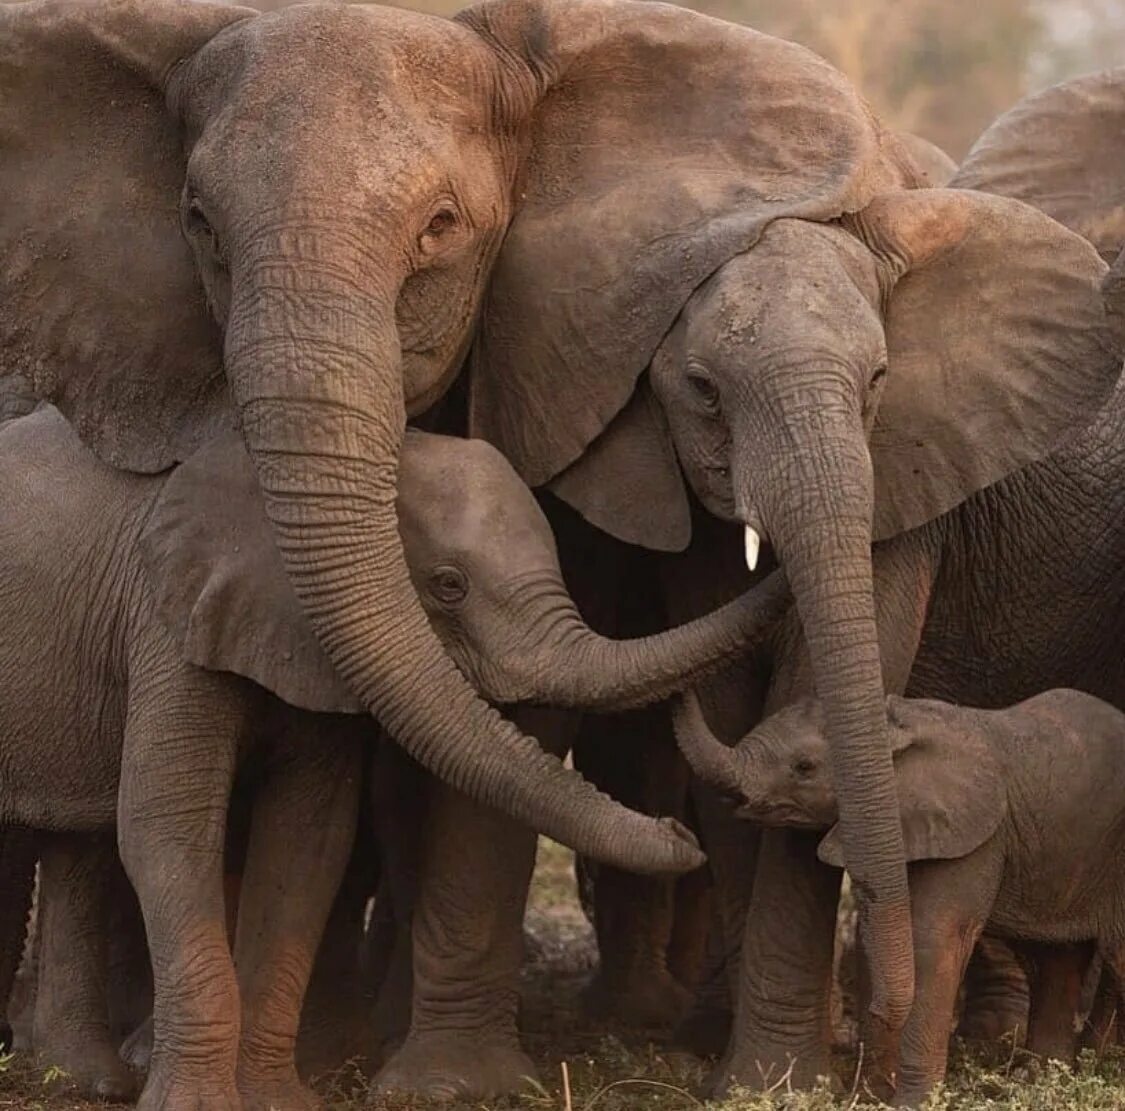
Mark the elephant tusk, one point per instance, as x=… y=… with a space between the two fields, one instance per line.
x=753 y=543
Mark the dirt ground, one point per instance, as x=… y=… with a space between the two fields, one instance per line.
x=616 y=1070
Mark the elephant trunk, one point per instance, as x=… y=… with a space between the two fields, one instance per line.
x=715 y=763
x=313 y=358
x=808 y=480
x=574 y=666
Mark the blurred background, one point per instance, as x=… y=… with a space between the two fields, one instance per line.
x=944 y=69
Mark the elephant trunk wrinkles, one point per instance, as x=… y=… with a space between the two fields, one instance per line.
x=313 y=357
x=715 y=763
x=813 y=481
x=589 y=671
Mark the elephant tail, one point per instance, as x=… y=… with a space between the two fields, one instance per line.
x=17 y=883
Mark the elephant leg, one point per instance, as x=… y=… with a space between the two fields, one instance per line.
x=691 y=927
x=181 y=743
x=996 y=994
x=336 y=1019
x=400 y=792
x=942 y=949
x=71 y=1026
x=301 y=834
x=1099 y=1004
x=634 y=758
x=1055 y=977
x=782 y=1022
x=130 y=973
x=468 y=945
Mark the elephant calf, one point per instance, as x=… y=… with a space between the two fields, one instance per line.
x=152 y=649
x=1014 y=821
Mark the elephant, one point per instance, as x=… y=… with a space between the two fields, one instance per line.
x=181 y=630
x=1029 y=153
x=998 y=840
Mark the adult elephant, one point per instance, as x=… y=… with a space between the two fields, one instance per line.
x=305 y=206
x=987 y=604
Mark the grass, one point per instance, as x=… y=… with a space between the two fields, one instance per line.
x=608 y=1070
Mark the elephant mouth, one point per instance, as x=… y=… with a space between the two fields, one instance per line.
x=780 y=815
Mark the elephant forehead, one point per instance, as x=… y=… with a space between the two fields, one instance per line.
x=798 y=274
x=370 y=66
x=463 y=495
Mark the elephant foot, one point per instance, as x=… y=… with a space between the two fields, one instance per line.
x=330 y=1041
x=769 y=1066
x=165 y=1093
x=445 y=1067
x=990 y=1021
x=646 y=997
x=92 y=1068
x=284 y=1093
x=705 y=1032
x=136 y=1049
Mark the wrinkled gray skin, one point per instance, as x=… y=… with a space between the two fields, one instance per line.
x=151 y=586
x=1013 y=821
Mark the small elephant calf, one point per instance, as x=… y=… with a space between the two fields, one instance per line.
x=1012 y=819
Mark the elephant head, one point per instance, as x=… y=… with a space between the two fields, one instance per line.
x=482 y=558
x=949 y=780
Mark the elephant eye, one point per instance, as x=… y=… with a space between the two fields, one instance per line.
x=197 y=224
x=704 y=388
x=804 y=766
x=449 y=585
x=441 y=221
x=879 y=375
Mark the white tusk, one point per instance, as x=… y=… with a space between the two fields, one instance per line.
x=753 y=543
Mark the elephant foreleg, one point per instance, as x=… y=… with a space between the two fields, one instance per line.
x=181 y=743
x=301 y=833
x=634 y=758
x=468 y=946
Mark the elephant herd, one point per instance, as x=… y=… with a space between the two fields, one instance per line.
x=392 y=404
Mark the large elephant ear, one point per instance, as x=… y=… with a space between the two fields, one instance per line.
x=998 y=345
x=659 y=144
x=99 y=303
x=628 y=482
x=951 y=790
x=1060 y=150
x=219 y=585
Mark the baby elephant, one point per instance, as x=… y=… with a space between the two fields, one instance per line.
x=1013 y=820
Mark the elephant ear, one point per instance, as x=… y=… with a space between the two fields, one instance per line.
x=998 y=345
x=1060 y=151
x=99 y=303
x=931 y=163
x=660 y=143
x=628 y=483
x=951 y=790
x=220 y=587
